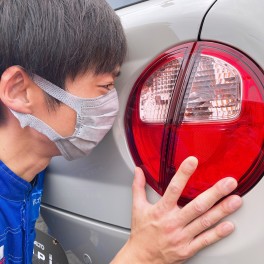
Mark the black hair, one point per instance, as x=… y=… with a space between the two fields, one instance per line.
x=60 y=38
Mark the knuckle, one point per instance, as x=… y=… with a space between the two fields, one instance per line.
x=173 y=187
x=164 y=206
x=219 y=190
x=198 y=207
x=185 y=253
x=225 y=208
x=169 y=227
x=161 y=207
x=205 y=222
x=134 y=186
x=159 y=212
x=135 y=207
x=205 y=242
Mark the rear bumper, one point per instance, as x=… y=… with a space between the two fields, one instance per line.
x=82 y=237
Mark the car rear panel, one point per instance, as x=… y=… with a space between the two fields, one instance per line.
x=238 y=23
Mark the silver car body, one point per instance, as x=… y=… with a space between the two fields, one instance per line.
x=87 y=203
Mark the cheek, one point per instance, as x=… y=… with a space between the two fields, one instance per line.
x=64 y=121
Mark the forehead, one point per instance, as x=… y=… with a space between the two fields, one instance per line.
x=90 y=76
x=114 y=74
x=96 y=77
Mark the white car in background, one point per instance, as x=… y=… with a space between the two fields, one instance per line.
x=192 y=84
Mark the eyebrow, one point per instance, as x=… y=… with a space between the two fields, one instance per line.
x=116 y=74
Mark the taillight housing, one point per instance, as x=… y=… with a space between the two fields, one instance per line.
x=202 y=99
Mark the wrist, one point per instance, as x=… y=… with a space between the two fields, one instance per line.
x=132 y=253
x=125 y=255
x=129 y=255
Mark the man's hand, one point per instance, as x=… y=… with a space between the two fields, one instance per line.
x=164 y=233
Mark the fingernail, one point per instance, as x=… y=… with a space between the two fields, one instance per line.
x=229 y=184
x=227 y=228
x=234 y=203
x=191 y=163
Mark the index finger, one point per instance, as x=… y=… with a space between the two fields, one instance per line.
x=178 y=182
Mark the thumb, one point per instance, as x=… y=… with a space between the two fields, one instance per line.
x=138 y=188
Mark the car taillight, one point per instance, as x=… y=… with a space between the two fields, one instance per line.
x=202 y=99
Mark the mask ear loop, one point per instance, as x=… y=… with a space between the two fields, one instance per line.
x=36 y=123
x=70 y=100
x=58 y=93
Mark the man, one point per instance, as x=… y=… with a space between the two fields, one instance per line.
x=59 y=61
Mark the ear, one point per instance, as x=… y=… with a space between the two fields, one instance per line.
x=15 y=86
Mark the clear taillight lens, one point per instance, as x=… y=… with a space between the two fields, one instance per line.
x=213 y=91
x=157 y=91
x=203 y=99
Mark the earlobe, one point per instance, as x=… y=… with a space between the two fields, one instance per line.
x=14 y=88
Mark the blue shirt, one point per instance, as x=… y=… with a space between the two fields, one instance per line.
x=19 y=210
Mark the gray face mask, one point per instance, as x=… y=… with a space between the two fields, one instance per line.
x=95 y=117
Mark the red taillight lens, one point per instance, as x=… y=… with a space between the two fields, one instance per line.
x=202 y=99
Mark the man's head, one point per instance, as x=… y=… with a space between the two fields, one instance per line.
x=77 y=45
x=60 y=38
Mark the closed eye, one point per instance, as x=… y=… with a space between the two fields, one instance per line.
x=108 y=87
